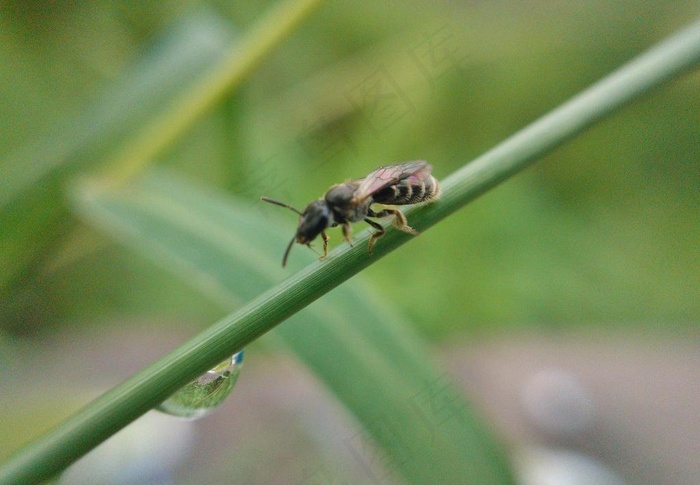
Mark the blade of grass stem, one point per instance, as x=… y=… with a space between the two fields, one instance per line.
x=352 y=339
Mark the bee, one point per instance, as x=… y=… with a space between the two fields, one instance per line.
x=397 y=184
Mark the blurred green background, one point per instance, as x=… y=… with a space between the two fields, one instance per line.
x=603 y=234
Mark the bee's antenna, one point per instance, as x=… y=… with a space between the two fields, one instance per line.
x=289 y=248
x=281 y=204
x=291 y=243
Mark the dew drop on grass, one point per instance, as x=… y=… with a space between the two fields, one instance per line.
x=201 y=396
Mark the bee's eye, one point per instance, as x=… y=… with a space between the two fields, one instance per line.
x=317 y=223
x=320 y=224
x=316 y=218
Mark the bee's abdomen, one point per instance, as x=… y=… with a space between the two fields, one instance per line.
x=405 y=192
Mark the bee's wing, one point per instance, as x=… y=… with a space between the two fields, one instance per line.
x=390 y=175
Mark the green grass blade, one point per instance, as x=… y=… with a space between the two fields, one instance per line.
x=128 y=401
x=350 y=339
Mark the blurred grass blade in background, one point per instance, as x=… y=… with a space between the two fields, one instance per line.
x=33 y=215
x=215 y=83
x=169 y=67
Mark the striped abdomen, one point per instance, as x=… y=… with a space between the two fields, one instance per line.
x=408 y=191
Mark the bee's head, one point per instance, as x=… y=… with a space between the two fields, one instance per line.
x=315 y=218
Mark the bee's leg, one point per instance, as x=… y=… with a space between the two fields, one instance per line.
x=347 y=232
x=399 y=220
x=325 y=238
x=375 y=235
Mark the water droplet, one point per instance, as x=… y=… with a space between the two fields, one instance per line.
x=201 y=396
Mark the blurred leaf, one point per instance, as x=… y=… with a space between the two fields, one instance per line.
x=33 y=216
x=170 y=66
